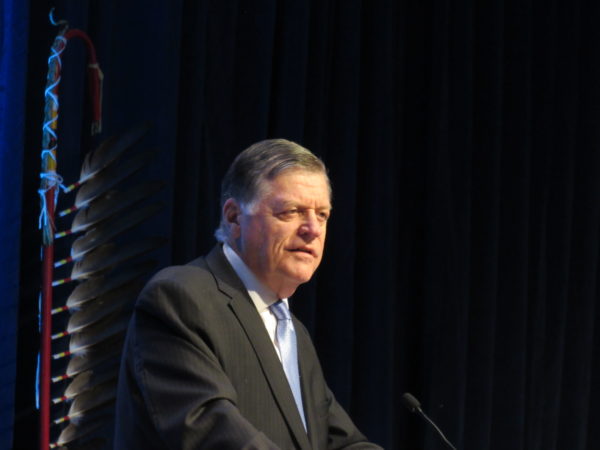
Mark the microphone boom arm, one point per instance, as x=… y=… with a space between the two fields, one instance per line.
x=415 y=407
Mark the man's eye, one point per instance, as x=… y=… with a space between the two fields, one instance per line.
x=323 y=216
x=288 y=214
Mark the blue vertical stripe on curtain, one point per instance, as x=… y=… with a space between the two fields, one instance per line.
x=14 y=18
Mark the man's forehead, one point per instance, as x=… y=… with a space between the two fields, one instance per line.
x=304 y=184
x=299 y=171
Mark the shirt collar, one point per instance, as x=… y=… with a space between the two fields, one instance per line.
x=261 y=296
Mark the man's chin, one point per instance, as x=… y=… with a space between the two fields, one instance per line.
x=301 y=276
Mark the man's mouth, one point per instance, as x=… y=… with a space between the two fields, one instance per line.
x=305 y=250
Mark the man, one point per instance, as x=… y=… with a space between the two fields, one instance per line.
x=211 y=359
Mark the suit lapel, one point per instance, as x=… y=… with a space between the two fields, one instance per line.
x=243 y=308
x=307 y=397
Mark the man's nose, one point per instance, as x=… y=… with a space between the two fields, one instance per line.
x=311 y=225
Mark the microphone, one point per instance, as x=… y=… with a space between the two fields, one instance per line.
x=414 y=406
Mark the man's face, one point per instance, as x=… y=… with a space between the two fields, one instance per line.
x=282 y=239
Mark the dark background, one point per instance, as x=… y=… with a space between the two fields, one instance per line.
x=463 y=142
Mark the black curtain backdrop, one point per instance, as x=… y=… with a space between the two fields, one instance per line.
x=463 y=141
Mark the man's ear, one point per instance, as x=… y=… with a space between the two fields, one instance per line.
x=231 y=216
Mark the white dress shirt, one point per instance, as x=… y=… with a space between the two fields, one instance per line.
x=261 y=295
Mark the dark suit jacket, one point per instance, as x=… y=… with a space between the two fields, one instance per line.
x=199 y=371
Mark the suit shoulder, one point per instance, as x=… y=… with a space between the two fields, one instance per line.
x=187 y=286
x=196 y=270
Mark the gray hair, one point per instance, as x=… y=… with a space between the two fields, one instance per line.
x=265 y=160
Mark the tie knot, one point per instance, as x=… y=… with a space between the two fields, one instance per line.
x=280 y=310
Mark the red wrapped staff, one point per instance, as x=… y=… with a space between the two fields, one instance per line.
x=49 y=188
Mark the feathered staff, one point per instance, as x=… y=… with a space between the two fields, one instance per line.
x=88 y=343
x=86 y=348
x=50 y=181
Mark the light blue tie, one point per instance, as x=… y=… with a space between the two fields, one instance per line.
x=286 y=339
